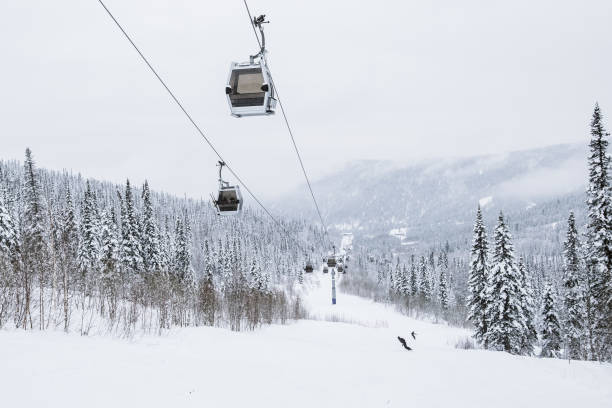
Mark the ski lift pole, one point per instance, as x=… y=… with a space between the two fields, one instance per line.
x=333 y=274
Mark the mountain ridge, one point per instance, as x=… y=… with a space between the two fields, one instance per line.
x=435 y=200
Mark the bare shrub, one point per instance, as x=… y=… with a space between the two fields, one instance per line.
x=465 y=343
x=340 y=318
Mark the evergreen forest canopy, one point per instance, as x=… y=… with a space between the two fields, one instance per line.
x=75 y=251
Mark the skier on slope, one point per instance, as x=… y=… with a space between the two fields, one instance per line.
x=403 y=341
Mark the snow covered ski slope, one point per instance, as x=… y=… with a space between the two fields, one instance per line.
x=311 y=363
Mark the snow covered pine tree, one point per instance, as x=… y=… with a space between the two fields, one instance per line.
x=551 y=329
x=572 y=293
x=33 y=253
x=505 y=314
x=477 y=281
x=8 y=245
x=530 y=336
x=599 y=241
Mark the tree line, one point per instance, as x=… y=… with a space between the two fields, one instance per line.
x=575 y=319
x=553 y=300
x=426 y=284
x=74 y=253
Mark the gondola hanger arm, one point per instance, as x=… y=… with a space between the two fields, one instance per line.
x=221 y=182
x=258 y=22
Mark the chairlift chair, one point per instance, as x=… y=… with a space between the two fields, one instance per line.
x=250 y=89
x=229 y=199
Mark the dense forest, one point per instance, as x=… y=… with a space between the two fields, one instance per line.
x=556 y=298
x=75 y=253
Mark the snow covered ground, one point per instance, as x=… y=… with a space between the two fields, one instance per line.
x=312 y=363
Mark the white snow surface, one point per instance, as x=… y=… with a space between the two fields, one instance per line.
x=311 y=363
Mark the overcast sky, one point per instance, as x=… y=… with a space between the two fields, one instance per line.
x=398 y=80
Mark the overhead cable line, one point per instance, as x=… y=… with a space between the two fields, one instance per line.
x=195 y=125
x=297 y=151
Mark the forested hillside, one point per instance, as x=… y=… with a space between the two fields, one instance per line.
x=75 y=251
x=414 y=224
x=414 y=206
x=539 y=278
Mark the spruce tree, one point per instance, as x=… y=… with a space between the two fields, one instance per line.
x=398 y=278
x=69 y=244
x=551 y=328
x=414 y=283
x=208 y=259
x=443 y=291
x=425 y=291
x=34 y=244
x=380 y=274
x=404 y=283
x=130 y=250
x=599 y=238
x=392 y=285
x=506 y=318
x=182 y=258
x=572 y=293
x=530 y=336
x=90 y=245
x=477 y=281
x=167 y=248
x=256 y=278
x=443 y=259
x=8 y=231
x=150 y=235
x=8 y=241
x=207 y=296
x=109 y=251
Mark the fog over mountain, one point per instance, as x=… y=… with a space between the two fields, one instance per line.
x=428 y=202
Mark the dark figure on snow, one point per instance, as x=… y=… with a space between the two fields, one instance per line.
x=403 y=341
x=413 y=334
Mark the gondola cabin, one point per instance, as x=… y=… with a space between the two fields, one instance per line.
x=331 y=261
x=229 y=200
x=249 y=90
